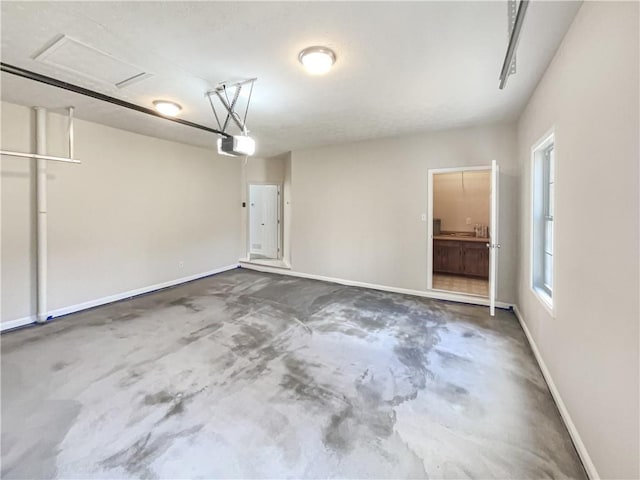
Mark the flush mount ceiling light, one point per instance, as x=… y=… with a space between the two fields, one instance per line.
x=317 y=60
x=165 y=107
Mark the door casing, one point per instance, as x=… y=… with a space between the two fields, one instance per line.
x=279 y=219
x=431 y=173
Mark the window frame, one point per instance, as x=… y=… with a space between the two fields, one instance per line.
x=547 y=201
x=542 y=214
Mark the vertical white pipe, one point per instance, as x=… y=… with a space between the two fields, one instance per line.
x=41 y=202
x=71 y=139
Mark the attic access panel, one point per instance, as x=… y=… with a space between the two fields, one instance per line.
x=81 y=59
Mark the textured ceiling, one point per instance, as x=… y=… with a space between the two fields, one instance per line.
x=403 y=67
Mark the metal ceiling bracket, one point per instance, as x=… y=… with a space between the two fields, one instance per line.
x=221 y=93
x=513 y=43
x=229 y=108
x=53 y=158
x=38 y=156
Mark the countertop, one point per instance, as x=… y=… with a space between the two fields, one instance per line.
x=459 y=238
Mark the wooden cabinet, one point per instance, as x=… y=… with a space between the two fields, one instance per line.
x=447 y=257
x=475 y=259
x=461 y=258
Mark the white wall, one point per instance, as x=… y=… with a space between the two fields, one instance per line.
x=356 y=208
x=263 y=170
x=459 y=196
x=17 y=261
x=123 y=220
x=589 y=94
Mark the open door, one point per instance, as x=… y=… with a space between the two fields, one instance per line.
x=457 y=251
x=263 y=220
x=494 y=244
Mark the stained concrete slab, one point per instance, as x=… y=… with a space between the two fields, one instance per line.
x=253 y=375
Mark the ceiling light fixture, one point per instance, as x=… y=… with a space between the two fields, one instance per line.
x=165 y=107
x=317 y=60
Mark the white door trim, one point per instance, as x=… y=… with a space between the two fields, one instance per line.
x=431 y=172
x=494 y=237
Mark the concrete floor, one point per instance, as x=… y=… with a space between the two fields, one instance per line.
x=253 y=375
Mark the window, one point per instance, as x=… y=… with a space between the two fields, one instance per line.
x=543 y=219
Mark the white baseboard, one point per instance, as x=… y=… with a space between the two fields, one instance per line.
x=279 y=264
x=564 y=413
x=18 y=322
x=438 y=295
x=113 y=298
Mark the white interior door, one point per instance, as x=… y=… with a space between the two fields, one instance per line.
x=494 y=244
x=263 y=220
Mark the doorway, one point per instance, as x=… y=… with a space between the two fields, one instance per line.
x=462 y=220
x=264 y=221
